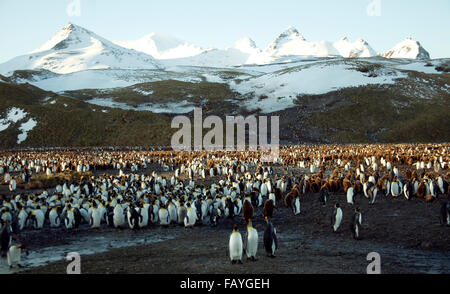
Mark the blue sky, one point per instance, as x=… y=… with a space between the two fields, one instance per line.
x=27 y=24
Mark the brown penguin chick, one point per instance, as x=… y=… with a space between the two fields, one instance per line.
x=296 y=190
x=307 y=186
x=358 y=188
x=288 y=199
x=268 y=208
x=247 y=210
x=380 y=184
x=408 y=174
x=315 y=186
x=278 y=195
x=421 y=190
x=347 y=184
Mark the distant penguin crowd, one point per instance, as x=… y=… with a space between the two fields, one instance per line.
x=138 y=189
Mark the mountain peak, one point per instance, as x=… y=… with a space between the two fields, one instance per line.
x=69 y=35
x=246 y=45
x=245 y=42
x=291 y=33
x=162 y=46
x=409 y=49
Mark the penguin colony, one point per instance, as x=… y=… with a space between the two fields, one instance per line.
x=116 y=190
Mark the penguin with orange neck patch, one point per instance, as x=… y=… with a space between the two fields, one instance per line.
x=270 y=238
x=356 y=224
x=14 y=255
x=236 y=246
x=251 y=241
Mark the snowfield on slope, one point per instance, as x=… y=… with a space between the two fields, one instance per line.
x=109 y=78
x=171 y=107
x=25 y=128
x=12 y=116
x=282 y=87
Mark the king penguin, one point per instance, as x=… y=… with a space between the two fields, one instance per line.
x=191 y=216
x=251 y=242
x=356 y=224
x=119 y=217
x=236 y=246
x=5 y=237
x=133 y=217
x=270 y=238
x=445 y=213
x=14 y=255
x=163 y=214
x=53 y=216
x=336 y=218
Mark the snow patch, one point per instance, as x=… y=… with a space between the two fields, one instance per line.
x=143 y=92
x=13 y=116
x=171 y=107
x=25 y=128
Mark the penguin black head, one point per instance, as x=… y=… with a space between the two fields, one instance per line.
x=235 y=228
x=357 y=209
x=337 y=205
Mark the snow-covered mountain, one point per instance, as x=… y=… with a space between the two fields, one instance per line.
x=236 y=55
x=162 y=46
x=291 y=42
x=359 y=48
x=409 y=49
x=74 y=49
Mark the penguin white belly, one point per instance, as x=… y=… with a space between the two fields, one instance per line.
x=441 y=185
x=96 y=218
x=40 y=218
x=13 y=255
x=69 y=220
x=350 y=195
x=22 y=218
x=252 y=242
x=172 y=213
x=365 y=190
x=143 y=222
x=264 y=189
x=84 y=214
x=118 y=218
x=260 y=200
x=375 y=191
x=235 y=246
x=297 y=206
x=54 y=220
x=274 y=245
x=272 y=196
x=190 y=218
x=163 y=217
x=338 y=219
x=395 y=189
x=154 y=217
